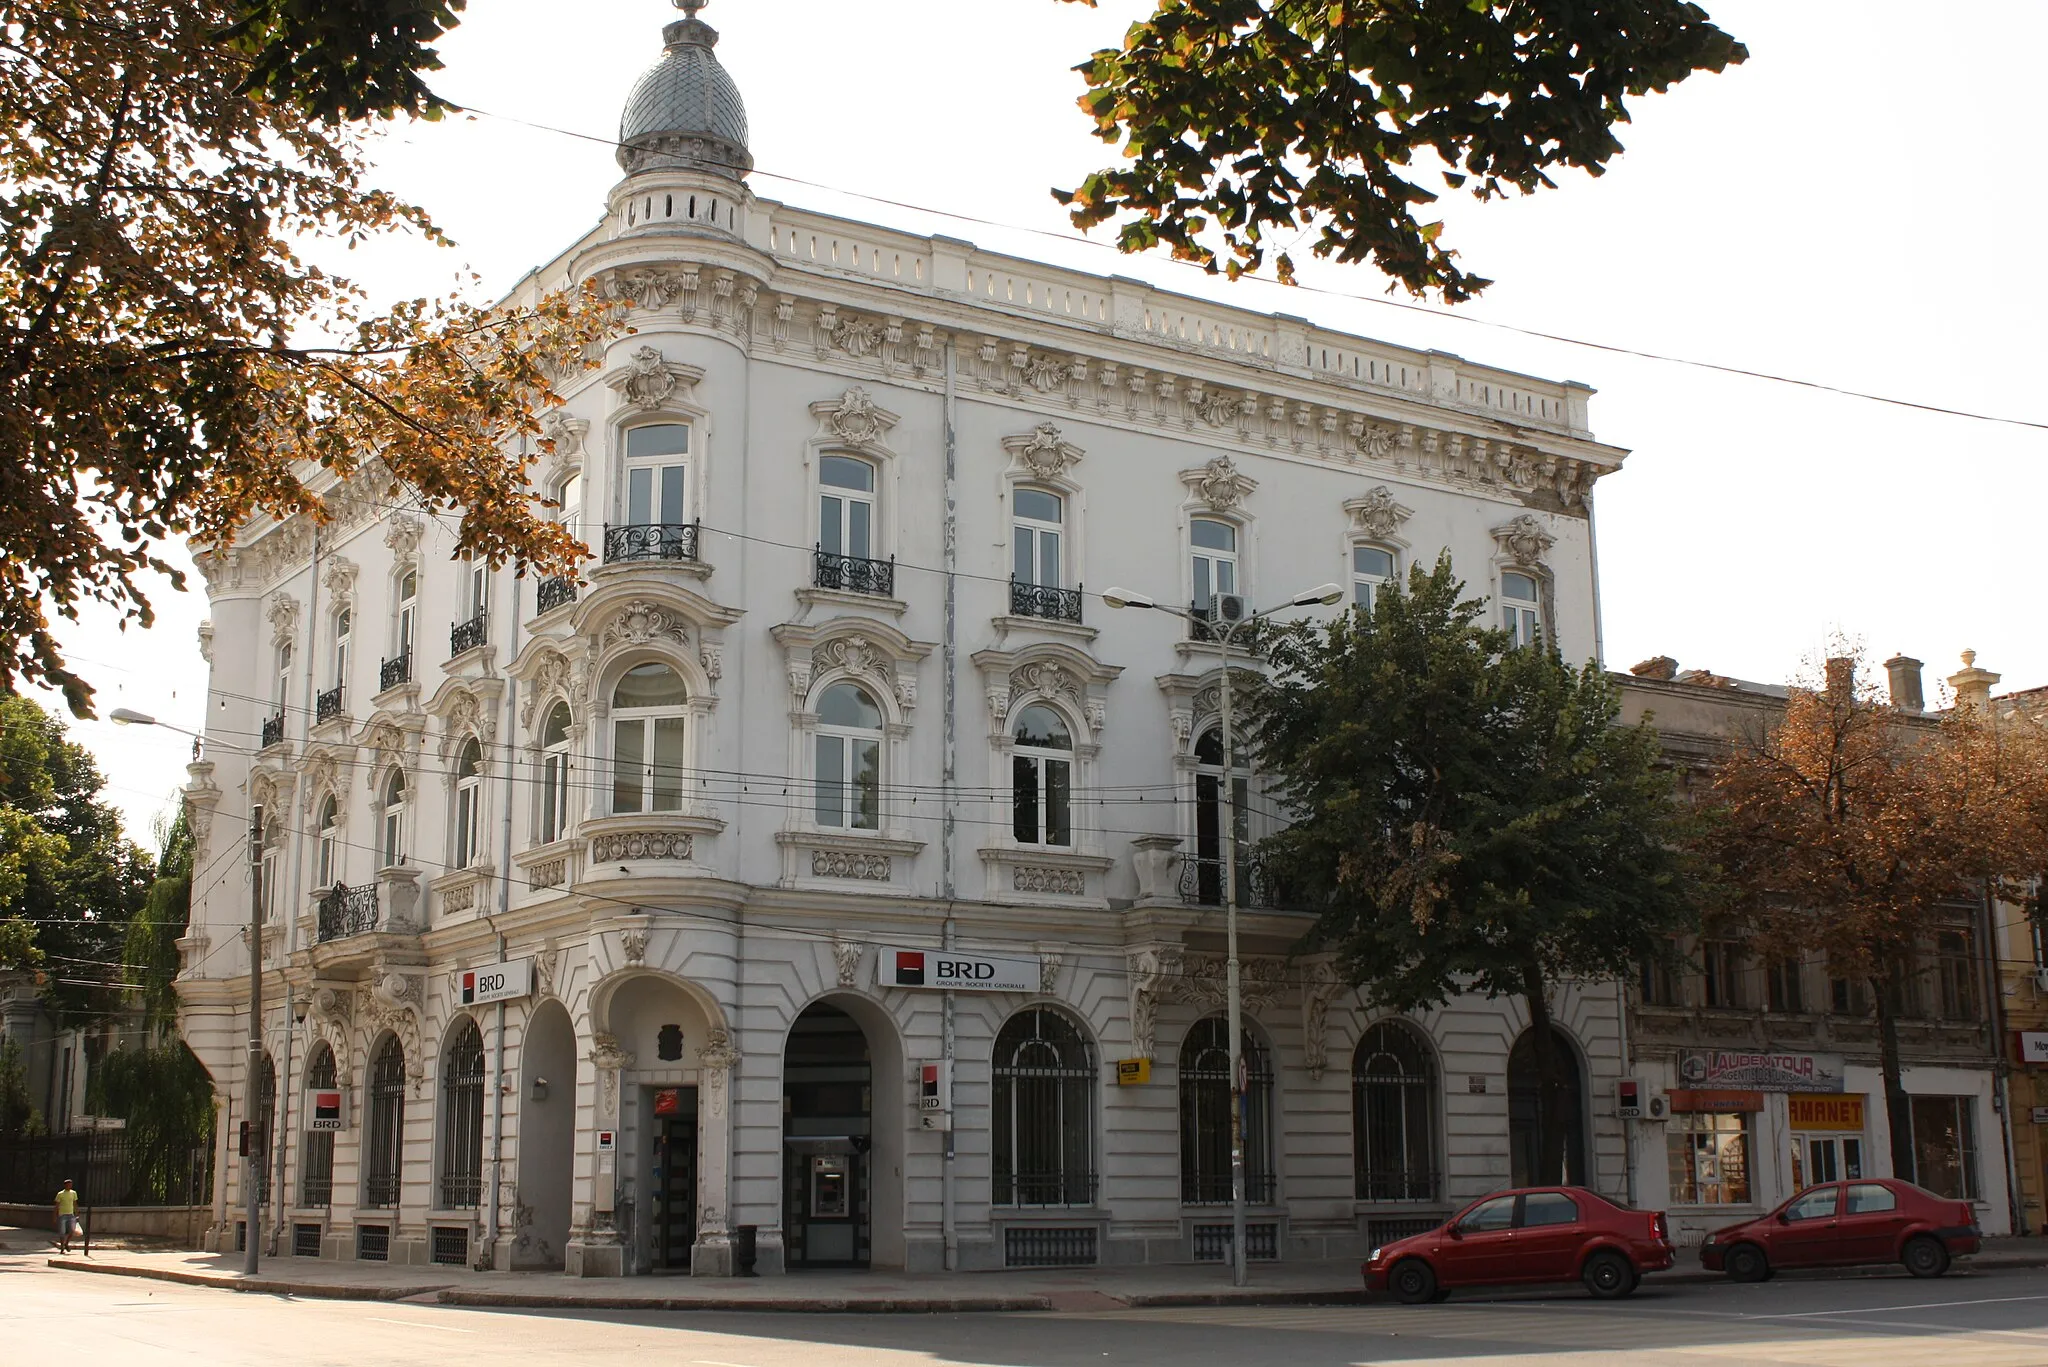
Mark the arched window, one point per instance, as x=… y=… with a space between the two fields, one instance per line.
x=1393 y=1116
x=1207 y=866
x=1037 y=531
x=1042 y=1112
x=344 y=631
x=849 y=759
x=1372 y=568
x=570 y=496
x=392 y=851
x=1042 y=777
x=846 y=507
x=384 y=1136
x=1205 y=1088
x=266 y=1123
x=270 y=895
x=407 y=616
x=654 y=474
x=462 y=1119
x=316 y=1161
x=647 y=740
x=329 y=857
x=469 y=796
x=1528 y=1107
x=554 y=774
x=1213 y=546
x=1521 y=611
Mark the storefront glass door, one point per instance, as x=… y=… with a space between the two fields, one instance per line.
x=1818 y=1158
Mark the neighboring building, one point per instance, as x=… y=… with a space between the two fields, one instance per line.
x=1762 y=1078
x=2023 y=981
x=831 y=689
x=54 y=1060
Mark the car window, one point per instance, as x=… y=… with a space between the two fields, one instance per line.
x=1499 y=1213
x=1867 y=1198
x=1548 y=1208
x=1817 y=1204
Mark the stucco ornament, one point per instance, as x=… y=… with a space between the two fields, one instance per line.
x=855 y=654
x=1221 y=408
x=1523 y=539
x=284 y=619
x=846 y=957
x=1220 y=484
x=1045 y=453
x=856 y=336
x=855 y=419
x=717 y=1058
x=1376 y=442
x=648 y=382
x=402 y=533
x=1316 y=992
x=639 y=622
x=565 y=432
x=552 y=678
x=633 y=944
x=1044 y=373
x=1378 y=513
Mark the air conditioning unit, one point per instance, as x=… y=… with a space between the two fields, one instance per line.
x=1656 y=1106
x=1229 y=608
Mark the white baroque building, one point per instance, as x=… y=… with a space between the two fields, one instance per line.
x=831 y=688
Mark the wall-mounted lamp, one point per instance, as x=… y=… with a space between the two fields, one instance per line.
x=540 y=1089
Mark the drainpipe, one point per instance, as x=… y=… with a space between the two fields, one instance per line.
x=1593 y=557
x=487 y=1257
x=289 y=940
x=949 y=686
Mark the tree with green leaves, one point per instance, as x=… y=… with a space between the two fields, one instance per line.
x=150 y=948
x=1467 y=816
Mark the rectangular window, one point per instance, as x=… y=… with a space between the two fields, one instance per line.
x=554 y=796
x=849 y=782
x=1955 y=976
x=1721 y=973
x=846 y=508
x=1043 y=795
x=654 y=494
x=1945 y=1145
x=1848 y=997
x=1371 y=568
x=1660 y=985
x=1709 y=1159
x=629 y=765
x=647 y=764
x=1036 y=538
x=1782 y=981
x=1214 y=549
x=1521 y=610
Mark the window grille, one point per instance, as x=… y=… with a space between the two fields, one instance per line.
x=306 y=1240
x=1042 y=1114
x=462 y=1121
x=385 y=1137
x=1261 y=1242
x=1205 y=1099
x=1036 y=1246
x=1379 y=1232
x=1393 y=1092
x=373 y=1243
x=316 y=1160
x=451 y=1246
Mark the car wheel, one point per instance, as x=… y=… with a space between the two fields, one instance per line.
x=1608 y=1275
x=1747 y=1263
x=1412 y=1282
x=1925 y=1256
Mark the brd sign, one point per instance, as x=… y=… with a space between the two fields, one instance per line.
x=959 y=972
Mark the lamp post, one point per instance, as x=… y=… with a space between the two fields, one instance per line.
x=252 y=1098
x=1225 y=634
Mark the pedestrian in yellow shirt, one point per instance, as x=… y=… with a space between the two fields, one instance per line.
x=67 y=1216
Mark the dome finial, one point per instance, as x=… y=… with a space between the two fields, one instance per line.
x=690 y=7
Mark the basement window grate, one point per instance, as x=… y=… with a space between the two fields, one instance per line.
x=373 y=1243
x=1261 y=1243
x=1044 y=1246
x=1379 y=1232
x=241 y=1236
x=451 y=1246
x=305 y=1241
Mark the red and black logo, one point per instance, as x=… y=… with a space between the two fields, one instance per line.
x=910 y=968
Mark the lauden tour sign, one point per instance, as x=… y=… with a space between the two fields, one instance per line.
x=1760 y=1071
x=957 y=971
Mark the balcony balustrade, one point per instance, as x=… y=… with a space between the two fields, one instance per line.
x=346 y=911
x=854 y=574
x=468 y=635
x=553 y=593
x=327 y=706
x=395 y=671
x=650 y=541
x=1044 y=601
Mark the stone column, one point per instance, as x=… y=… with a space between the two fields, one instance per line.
x=595 y=1250
x=712 y=1254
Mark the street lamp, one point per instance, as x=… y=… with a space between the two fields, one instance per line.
x=1224 y=633
x=251 y=1098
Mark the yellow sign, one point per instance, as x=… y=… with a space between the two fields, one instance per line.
x=1826 y=1111
x=1133 y=1072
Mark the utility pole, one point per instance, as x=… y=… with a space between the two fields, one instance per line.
x=252 y=1098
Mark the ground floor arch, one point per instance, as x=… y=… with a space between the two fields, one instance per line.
x=1529 y=1101
x=547 y=1138
x=842 y=1182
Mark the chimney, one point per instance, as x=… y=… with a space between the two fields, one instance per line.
x=1841 y=677
x=1905 y=676
x=1972 y=685
x=1656 y=667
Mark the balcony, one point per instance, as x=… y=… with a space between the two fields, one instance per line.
x=468 y=635
x=273 y=730
x=650 y=541
x=1201 y=884
x=557 y=592
x=395 y=672
x=346 y=911
x=854 y=574
x=327 y=706
x=1040 y=600
x=1249 y=637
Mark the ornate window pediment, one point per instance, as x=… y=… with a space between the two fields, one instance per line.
x=1043 y=454
x=855 y=419
x=650 y=382
x=855 y=648
x=1219 y=484
x=1377 y=514
x=1069 y=679
x=466 y=708
x=1524 y=540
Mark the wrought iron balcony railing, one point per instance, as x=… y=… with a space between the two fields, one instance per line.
x=327 y=706
x=1040 y=600
x=1250 y=637
x=650 y=541
x=854 y=574
x=347 y=911
x=273 y=730
x=394 y=672
x=554 y=593
x=1201 y=883
x=468 y=635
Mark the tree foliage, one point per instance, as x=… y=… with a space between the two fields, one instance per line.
x=1853 y=831
x=1467 y=816
x=19 y=1118
x=69 y=879
x=344 y=59
x=149 y=950
x=168 y=363
x=1243 y=120
x=165 y=1096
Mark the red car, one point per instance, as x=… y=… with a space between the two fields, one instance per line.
x=1837 y=1224
x=1539 y=1234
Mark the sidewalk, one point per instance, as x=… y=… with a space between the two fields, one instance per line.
x=1290 y=1283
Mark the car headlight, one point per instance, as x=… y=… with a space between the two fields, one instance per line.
x=1373 y=1256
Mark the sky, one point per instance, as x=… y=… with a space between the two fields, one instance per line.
x=1855 y=206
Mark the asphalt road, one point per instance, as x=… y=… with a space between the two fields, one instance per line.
x=1971 y=1320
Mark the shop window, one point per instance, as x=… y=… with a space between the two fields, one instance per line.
x=1945 y=1145
x=1709 y=1156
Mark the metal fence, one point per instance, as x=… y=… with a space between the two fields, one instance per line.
x=106 y=1169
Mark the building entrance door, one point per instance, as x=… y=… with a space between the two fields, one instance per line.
x=1818 y=1158
x=674 y=1187
x=827 y=1101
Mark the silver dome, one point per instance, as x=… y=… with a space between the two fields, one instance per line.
x=685 y=110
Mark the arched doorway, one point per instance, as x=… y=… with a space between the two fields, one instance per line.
x=547 y=1137
x=1526 y=1098
x=829 y=1175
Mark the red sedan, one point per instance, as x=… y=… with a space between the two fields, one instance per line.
x=1840 y=1224
x=1540 y=1234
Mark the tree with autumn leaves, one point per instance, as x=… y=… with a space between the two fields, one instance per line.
x=1852 y=830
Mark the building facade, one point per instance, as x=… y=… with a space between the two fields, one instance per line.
x=1760 y=1078
x=622 y=924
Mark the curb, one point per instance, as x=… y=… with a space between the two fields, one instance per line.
x=902 y=1305
x=268 y=1286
